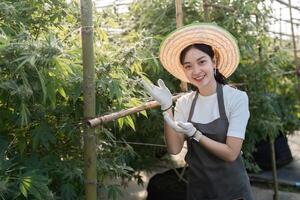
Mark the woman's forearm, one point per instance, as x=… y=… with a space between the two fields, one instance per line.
x=228 y=152
x=173 y=140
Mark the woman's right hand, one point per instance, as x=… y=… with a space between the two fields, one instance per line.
x=159 y=93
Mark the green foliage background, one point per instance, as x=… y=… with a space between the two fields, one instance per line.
x=41 y=89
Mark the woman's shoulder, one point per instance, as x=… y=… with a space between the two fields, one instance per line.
x=233 y=94
x=231 y=90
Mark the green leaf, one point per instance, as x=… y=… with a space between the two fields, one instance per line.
x=68 y=192
x=32 y=60
x=24 y=113
x=51 y=91
x=24 y=60
x=62 y=66
x=35 y=184
x=22 y=144
x=114 y=192
x=4 y=41
x=42 y=135
x=121 y=122
x=103 y=34
x=129 y=121
x=42 y=81
x=114 y=88
x=136 y=67
x=144 y=113
x=24 y=186
x=76 y=91
x=9 y=85
x=62 y=93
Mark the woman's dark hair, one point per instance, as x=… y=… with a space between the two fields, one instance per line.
x=209 y=51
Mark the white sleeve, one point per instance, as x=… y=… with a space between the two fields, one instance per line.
x=238 y=116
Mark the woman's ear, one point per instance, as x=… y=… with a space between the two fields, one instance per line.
x=214 y=62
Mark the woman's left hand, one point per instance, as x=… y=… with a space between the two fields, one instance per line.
x=160 y=93
x=186 y=128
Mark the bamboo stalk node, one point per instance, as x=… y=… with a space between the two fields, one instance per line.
x=92 y=182
x=87 y=26
x=87 y=29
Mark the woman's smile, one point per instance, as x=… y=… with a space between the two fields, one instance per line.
x=199 y=78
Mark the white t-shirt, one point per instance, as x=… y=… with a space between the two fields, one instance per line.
x=207 y=110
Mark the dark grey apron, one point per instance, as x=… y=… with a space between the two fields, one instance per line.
x=209 y=177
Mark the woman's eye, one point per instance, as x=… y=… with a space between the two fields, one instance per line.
x=187 y=66
x=202 y=61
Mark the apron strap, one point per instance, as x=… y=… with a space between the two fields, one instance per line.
x=193 y=106
x=221 y=101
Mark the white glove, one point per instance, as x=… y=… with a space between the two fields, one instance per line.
x=161 y=94
x=186 y=128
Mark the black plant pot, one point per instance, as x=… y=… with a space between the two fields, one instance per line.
x=282 y=152
x=167 y=186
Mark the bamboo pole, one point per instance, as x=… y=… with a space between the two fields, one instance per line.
x=179 y=14
x=179 y=23
x=90 y=171
x=116 y=115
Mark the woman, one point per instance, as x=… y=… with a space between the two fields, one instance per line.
x=213 y=118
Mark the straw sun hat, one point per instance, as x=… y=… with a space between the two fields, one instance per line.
x=223 y=43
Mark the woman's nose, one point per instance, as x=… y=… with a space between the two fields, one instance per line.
x=196 y=70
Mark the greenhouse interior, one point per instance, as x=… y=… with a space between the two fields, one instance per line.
x=150 y=99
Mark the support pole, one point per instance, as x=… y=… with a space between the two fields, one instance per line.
x=280 y=27
x=90 y=171
x=179 y=23
x=274 y=170
x=293 y=33
x=206 y=11
x=296 y=62
x=179 y=15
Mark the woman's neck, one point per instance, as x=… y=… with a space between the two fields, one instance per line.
x=208 y=89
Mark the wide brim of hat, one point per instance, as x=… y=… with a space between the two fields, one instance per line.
x=223 y=43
